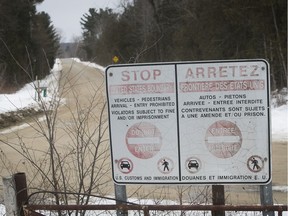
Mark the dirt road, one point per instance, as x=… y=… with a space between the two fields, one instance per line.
x=83 y=89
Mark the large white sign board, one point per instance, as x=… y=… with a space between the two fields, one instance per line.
x=190 y=122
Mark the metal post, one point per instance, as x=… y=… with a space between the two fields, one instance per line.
x=121 y=198
x=218 y=198
x=266 y=197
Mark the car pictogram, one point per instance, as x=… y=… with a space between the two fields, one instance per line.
x=125 y=164
x=193 y=164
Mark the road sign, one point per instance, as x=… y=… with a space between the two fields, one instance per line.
x=190 y=122
x=115 y=59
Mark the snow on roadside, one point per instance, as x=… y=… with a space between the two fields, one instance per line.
x=280 y=123
x=90 y=64
x=26 y=97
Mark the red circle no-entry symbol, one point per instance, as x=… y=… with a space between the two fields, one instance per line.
x=223 y=139
x=143 y=140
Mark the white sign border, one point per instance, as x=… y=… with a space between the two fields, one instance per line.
x=198 y=62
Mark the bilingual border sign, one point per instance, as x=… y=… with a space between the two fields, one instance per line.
x=204 y=122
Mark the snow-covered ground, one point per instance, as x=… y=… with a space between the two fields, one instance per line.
x=26 y=98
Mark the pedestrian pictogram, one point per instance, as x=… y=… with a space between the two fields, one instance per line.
x=165 y=165
x=255 y=163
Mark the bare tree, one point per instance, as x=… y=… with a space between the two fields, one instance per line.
x=69 y=152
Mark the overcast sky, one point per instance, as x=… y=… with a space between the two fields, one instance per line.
x=66 y=14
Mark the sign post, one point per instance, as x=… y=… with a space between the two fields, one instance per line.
x=218 y=198
x=121 y=198
x=190 y=122
x=266 y=197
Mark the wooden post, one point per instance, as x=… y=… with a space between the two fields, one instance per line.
x=218 y=198
x=38 y=89
x=21 y=191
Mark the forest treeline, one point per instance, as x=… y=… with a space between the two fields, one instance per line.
x=190 y=30
x=147 y=31
x=28 y=43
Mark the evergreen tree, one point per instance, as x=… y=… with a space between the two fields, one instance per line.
x=45 y=44
x=97 y=34
x=20 y=42
x=178 y=30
